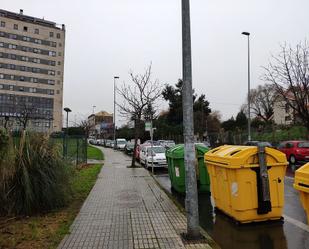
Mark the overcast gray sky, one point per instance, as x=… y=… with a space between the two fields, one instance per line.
x=110 y=37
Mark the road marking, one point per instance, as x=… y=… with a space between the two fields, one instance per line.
x=297 y=223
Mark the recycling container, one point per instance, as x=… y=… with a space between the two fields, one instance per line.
x=301 y=183
x=247 y=182
x=176 y=168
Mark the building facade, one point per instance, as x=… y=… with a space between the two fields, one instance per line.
x=101 y=124
x=31 y=72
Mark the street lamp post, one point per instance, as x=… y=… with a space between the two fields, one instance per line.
x=249 y=118
x=114 y=116
x=6 y=118
x=67 y=110
x=189 y=153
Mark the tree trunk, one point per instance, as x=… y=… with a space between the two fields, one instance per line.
x=136 y=133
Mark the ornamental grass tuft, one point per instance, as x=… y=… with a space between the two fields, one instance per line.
x=34 y=177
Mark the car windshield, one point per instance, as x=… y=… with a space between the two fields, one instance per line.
x=121 y=142
x=157 y=149
x=267 y=144
x=303 y=145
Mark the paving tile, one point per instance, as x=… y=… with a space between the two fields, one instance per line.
x=126 y=209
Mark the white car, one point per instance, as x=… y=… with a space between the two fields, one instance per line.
x=121 y=143
x=167 y=143
x=156 y=152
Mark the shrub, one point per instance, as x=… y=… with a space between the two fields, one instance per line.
x=39 y=178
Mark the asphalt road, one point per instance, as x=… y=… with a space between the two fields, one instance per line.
x=292 y=233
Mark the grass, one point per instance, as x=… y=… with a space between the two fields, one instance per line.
x=46 y=231
x=94 y=153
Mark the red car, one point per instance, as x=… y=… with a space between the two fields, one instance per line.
x=295 y=151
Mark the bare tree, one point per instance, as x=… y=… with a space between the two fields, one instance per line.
x=27 y=112
x=86 y=126
x=289 y=72
x=137 y=97
x=262 y=101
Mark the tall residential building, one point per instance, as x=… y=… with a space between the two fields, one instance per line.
x=31 y=72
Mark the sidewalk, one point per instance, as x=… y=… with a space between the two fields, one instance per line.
x=127 y=209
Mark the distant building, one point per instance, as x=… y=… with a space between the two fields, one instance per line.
x=101 y=124
x=31 y=72
x=284 y=114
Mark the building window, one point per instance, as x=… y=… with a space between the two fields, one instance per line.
x=16 y=26
x=2 y=24
x=58 y=82
x=36 y=31
x=1 y=76
x=1 y=86
x=11 y=87
x=59 y=53
x=60 y=45
x=59 y=63
x=58 y=35
x=25 y=28
x=58 y=72
x=287 y=108
x=58 y=91
x=51 y=34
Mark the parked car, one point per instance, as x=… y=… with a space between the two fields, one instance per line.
x=129 y=148
x=91 y=140
x=295 y=151
x=256 y=143
x=107 y=142
x=154 y=143
x=155 y=152
x=112 y=143
x=166 y=143
x=120 y=143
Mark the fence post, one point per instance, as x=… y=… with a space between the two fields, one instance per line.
x=63 y=146
x=86 y=149
x=77 y=151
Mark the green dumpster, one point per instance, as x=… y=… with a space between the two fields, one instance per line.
x=176 y=168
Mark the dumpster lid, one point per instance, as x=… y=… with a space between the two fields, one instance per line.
x=236 y=156
x=178 y=151
x=302 y=178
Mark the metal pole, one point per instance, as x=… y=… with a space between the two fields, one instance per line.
x=249 y=118
x=66 y=136
x=114 y=116
x=151 y=137
x=67 y=121
x=191 y=186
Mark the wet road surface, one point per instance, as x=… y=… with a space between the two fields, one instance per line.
x=292 y=233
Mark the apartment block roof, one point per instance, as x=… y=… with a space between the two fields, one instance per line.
x=30 y=19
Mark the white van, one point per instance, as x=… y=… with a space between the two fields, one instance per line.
x=121 y=143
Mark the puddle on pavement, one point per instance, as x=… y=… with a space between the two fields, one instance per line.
x=228 y=235
x=128 y=199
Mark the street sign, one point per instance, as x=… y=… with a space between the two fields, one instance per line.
x=147 y=126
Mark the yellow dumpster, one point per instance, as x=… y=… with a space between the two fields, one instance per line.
x=301 y=183
x=247 y=182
